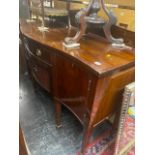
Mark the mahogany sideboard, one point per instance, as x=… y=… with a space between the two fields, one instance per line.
x=89 y=81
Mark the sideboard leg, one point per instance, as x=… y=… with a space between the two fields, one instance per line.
x=58 y=114
x=86 y=138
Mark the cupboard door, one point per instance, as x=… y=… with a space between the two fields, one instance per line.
x=73 y=85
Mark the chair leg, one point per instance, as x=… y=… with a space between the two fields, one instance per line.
x=58 y=114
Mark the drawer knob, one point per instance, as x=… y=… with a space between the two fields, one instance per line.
x=38 y=52
x=35 y=69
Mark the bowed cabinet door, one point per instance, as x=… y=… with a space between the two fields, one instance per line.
x=73 y=86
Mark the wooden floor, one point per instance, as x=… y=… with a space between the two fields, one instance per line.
x=38 y=125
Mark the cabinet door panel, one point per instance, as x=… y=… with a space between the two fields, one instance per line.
x=72 y=84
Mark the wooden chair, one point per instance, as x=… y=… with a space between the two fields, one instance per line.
x=51 y=14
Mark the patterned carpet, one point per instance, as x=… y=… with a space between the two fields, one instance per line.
x=106 y=143
x=103 y=145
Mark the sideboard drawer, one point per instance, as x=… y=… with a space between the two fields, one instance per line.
x=40 y=51
x=40 y=72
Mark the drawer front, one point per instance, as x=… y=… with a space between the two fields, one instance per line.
x=41 y=73
x=41 y=52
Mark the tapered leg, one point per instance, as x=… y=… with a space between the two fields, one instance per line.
x=58 y=114
x=86 y=138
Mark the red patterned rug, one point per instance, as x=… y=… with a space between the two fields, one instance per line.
x=102 y=145
x=105 y=143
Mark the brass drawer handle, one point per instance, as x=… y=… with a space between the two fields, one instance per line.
x=35 y=69
x=38 y=52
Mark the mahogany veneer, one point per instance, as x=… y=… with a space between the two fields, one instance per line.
x=89 y=81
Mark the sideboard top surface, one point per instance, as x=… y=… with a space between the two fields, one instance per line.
x=93 y=52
